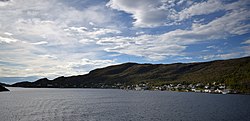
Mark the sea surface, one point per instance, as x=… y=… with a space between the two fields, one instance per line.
x=28 y=104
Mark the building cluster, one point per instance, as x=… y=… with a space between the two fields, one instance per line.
x=219 y=88
x=198 y=87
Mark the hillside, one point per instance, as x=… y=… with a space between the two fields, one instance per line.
x=234 y=73
x=3 y=88
x=3 y=84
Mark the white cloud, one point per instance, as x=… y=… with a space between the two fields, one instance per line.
x=92 y=33
x=90 y=64
x=146 y=13
x=184 y=58
x=25 y=58
x=173 y=43
x=147 y=46
x=246 y=42
x=77 y=29
x=5 y=3
x=46 y=20
x=246 y=47
x=51 y=38
x=7 y=39
x=34 y=60
x=246 y=50
x=205 y=7
x=7 y=33
x=212 y=47
x=221 y=56
x=40 y=43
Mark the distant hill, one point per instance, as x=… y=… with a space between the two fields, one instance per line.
x=234 y=73
x=3 y=84
x=3 y=88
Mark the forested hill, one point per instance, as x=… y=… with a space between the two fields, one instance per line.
x=234 y=73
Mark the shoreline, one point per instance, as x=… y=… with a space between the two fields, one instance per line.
x=127 y=90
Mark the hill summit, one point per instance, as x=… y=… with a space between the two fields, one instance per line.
x=235 y=73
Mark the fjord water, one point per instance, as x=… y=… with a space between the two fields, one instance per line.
x=29 y=104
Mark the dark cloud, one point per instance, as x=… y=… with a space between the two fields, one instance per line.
x=4 y=0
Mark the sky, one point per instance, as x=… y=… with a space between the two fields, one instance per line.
x=51 y=38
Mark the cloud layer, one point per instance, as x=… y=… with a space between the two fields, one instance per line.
x=173 y=43
x=49 y=38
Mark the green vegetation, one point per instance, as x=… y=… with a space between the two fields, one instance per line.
x=234 y=73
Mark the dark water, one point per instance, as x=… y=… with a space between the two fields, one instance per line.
x=120 y=105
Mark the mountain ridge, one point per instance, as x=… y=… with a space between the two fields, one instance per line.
x=233 y=72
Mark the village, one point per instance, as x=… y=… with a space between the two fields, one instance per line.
x=215 y=88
